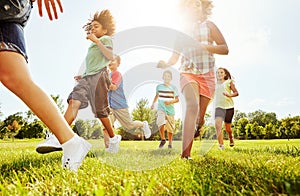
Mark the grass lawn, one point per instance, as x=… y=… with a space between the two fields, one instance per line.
x=252 y=167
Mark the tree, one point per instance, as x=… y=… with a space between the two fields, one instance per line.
x=290 y=126
x=11 y=125
x=81 y=128
x=143 y=112
x=240 y=128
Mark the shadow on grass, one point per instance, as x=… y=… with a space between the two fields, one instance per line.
x=235 y=178
x=287 y=151
x=26 y=162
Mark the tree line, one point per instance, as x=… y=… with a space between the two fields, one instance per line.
x=254 y=125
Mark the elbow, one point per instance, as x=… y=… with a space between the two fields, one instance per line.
x=226 y=50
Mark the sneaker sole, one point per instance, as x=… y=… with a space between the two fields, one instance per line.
x=47 y=149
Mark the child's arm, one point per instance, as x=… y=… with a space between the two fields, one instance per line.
x=234 y=93
x=154 y=101
x=107 y=52
x=116 y=78
x=112 y=87
x=172 y=61
x=175 y=100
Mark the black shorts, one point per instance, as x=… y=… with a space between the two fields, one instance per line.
x=225 y=114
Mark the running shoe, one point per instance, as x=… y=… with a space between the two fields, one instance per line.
x=50 y=144
x=147 y=131
x=74 y=152
x=114 y=144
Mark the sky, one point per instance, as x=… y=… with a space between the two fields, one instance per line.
x=262 y=36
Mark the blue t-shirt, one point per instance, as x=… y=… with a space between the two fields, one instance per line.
x=166 y=93
x=117 y=99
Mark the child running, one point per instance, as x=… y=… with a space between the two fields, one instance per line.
x=166 y=95
x=197 y=74
x=93 y=85
x=118 y=103
x=224 y=105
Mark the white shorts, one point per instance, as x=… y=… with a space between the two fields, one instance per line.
x=167 y=120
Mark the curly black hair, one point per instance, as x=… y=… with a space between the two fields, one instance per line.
x=105 y=18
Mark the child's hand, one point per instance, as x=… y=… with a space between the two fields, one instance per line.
x=226 y=94
x=152 y=107
x=161 y=64
x=92 y=37
x=47 y=6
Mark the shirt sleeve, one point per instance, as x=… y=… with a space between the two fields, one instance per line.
x=106 y=41
x=116 y=78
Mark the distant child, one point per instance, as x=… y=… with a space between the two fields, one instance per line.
x=15 y=76
x=93 y=85
x=224 y=105
x=166 y=95
x=118 y=103
x=197 y=74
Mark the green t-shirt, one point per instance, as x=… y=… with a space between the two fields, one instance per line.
x=94 y=59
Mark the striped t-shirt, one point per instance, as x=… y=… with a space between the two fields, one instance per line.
x=166 y=93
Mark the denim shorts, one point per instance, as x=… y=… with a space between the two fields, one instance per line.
x=12 y=38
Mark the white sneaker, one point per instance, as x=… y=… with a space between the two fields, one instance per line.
x=114 y=144
x=147 y=131
x=50 y=144
x=74 y=152
x=221 y=147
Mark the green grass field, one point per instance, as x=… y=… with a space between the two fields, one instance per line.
x=256 y=167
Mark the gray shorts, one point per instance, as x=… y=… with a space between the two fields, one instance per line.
x=93 y=89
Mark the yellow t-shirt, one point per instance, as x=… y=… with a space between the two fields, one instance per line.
x=223 y=101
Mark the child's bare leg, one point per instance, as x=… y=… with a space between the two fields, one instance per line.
x=106 y=138
x=191 y=95
x=203 y=103
x=72 y=110
x=107 y=125
x=15 y=76
x=218 y=124
x=228 y=129
x=170 y=138
x=162 y=132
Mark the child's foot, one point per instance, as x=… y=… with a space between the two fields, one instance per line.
x=199 y=132
x=74 y=152
x=162 y=143
x=221 y=147
x=147 y=131
x=231 y=142
x=186 y=158
x=50 y=144
x=114 y=144
x=170 y=146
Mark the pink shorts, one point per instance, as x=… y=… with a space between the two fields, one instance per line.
x=205 y=82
